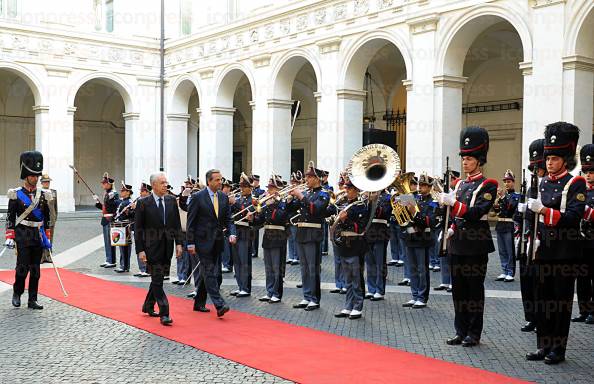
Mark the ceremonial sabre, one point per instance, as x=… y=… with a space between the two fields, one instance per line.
x=81 y=179
x=191 y=274
x=57 y=274
x=3 y=250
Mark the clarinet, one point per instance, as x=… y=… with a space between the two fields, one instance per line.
x=522 y=248
x=447 y=177
x=534 y=195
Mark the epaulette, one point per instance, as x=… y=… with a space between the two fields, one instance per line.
x=491 y=181
x=323 y=193
x=12 y=193
x=49 y=196
x=111 y=194
x=574 y=179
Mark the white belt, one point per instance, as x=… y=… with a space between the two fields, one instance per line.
x=505 y=219
x=412 y=230
x=380 y=221
x=108 y=215
x=350 y=234
x=484 y=218
x=32 y=224
x=242 y=223
x=276 y=227
x=309 y=225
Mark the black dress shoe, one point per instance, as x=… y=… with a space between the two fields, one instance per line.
x=590 y=319
x=221 y=311
x=579 y=319
x=537 y=355
x=119 y=270
x=245 y=294
x=150 y=311
x=341 y=315
x=335 y=290
x=166 y=320
x=528 y=327
x=312 y=307
x=553 y=358
x=299 y=306
x=449 y=290
x=34 y=305
x=16 y=300
x=191 y=295
x=300 y=285
x=456 y=340
x=440 y=288
x=199 y=308
x=295 y=262
x=469 y=341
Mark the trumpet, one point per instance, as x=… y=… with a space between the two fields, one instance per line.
x=336 y=197
x=290 y=188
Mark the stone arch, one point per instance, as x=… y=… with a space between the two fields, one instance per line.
x=29 y=77
x=227 y=82
x=580 y=37
x=459 y=35
x=352 y=72
x=109 y=79
x=181 y=91
x=286 y=68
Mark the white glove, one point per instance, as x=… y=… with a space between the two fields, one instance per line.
x=187 y=192
x=450 y=233
x=447 y=198
x=522 y=207
x=10 y=244
x=96 y=198
x=535 y=205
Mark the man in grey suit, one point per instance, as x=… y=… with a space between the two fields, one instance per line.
x=209 y=215
x=157 y=227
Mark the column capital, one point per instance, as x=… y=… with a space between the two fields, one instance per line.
x=578 y=63
x=130 y=116
x=448 y=81
x=408 y=84
x=222 y=111
x=526 y=68
x=278 y=103
x=199 y=111
x=329 y=45
x=351 y=94
x=262 y=60
x=206 y=73
x=178 y=117
x=70 y=111
x=253 y=105
x=422 y=24
x=318 y=96
x=41 y=109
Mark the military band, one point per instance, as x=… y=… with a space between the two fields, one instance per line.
x=548 y=228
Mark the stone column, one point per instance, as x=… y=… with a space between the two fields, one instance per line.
x=578 y=93
x=176 y=148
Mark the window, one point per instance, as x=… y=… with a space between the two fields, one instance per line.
x=9 y=8
x=109 y=15
x=186 y=17
x=103 y=11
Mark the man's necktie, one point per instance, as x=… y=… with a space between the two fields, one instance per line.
x=215 y=203
x=162 y=210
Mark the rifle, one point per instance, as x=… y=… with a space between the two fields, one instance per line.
x=522 y=248
x=534 y=195
x=447 y=177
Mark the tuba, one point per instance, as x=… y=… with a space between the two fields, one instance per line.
x=401 y=192
x=374 y=167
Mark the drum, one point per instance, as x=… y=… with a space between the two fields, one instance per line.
x=119 y=232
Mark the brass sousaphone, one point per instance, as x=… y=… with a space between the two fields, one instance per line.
x=374 y=167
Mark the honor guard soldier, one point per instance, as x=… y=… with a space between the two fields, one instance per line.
x=348 y=234
x=256 y=193
x=108 y=207
x=585 y=283
x=558 y=245
x=419 y=241
x=243 y=213
x=339 y=198
x=527 y=268
x=226 y=260
x=328 y=188
x=45 y=184
x=378 y=236
x=27 y=223
x=470 y=240
x=505 y=206
x=125 y=214
x=275 y=215
x=314 y=207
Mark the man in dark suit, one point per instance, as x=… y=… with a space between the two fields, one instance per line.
x=209 y=214
x=157 y=227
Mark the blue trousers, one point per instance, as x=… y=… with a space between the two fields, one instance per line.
x=418 y=260
x=434 y=251
x=110 y=252
x=352 y=267
x=242 y=264
x=274 y=265
x=310 y=256
x=183 y=264
x=396 y=248
x=338 y=275
x=377 y=270
x=125 y=253
x=293 y=254
x=226 y=258
x=505 y=243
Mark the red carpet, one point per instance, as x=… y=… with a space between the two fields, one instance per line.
x=293 y=352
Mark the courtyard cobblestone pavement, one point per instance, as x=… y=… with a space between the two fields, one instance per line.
x=73 y=345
